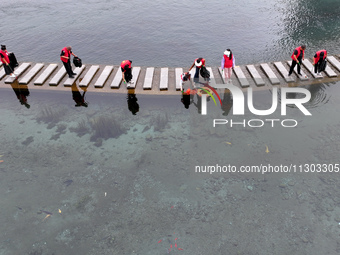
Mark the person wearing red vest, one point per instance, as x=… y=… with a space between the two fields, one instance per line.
x=227 y=63
x=319 y=61
x=199 y=62
x=6 y=62
x=65 y=57
x=126 y=71
x=297 y=57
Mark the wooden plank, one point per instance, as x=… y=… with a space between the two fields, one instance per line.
x=89 y=76
x=283 y=71
x=334 y=62
x=46 y=73
x=178 y=73
x=329 y=71
x=2 y=73
x=29 y=76
x=103 y=77
x=309 y=66
x=303 y=76
x=220 y=71
x=21 y=69
x=255 y=74
x=117 y=80
x=163 y=84
x=148 y=78
x=135 y=75
x=57 y=78
x=241 y=77
x=270 y=74
x=77 y=71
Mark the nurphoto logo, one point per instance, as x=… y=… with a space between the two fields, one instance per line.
x=239 y=105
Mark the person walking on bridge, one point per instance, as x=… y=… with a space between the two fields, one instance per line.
x=65 y=57
x=297 y=57
x=319 y=61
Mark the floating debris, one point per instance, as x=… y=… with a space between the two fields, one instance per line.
x=267 y=150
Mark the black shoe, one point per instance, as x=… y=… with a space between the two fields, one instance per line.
x=299 y=74
x=74 y=73
x=70 y=76
x=289 y=74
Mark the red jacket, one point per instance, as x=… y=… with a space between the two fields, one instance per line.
x=300 y=51
x=318 y=55
x=67 y=53
x=228 y=63
x=124 y=63
x=5 y=56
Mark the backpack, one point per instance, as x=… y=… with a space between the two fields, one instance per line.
x=13 y=60
x=77 y=62
x=204 y=72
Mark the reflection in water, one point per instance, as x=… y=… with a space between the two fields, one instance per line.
x=21 y=92
x=132 y=101
x=227 y=102
x=77 y=96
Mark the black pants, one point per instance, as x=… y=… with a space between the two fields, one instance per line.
x=294 y=64
x=68 y=68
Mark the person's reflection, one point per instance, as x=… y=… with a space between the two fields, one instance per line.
x=78 y=98
x=227 y=102
x=186 y=89
x=132 y=101
x=22 y=92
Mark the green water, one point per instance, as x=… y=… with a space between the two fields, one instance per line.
x=126 y=184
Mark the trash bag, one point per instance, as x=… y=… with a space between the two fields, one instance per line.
x=204 y=72
x=322 y=66
x=77 y=62
x=13 y=60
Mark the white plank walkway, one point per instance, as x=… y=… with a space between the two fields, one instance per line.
x=78 y=71
x=58 y=77
x=329 y=71
x=309 y=66
x=163 y=84
x=303 y=76
x=29 y=76
x=270 y=74
x=117 y=80
x=21 y=69
x=2 y=73
x=283 y=71
x=178 y=73
x=212 y=81
x=241 y=77
x=46 y=73
x=89 y=76
x=103 y=77
x=148 y=78
x=135 y=75
x=255 y=74
x=334 y=62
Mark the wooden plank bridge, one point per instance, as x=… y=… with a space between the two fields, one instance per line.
x=165 y=80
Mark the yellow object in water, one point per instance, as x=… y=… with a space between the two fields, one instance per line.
x=59 y=211
x=227 y=143
x=267 y=150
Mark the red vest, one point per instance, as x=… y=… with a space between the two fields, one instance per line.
x=67 y=54
x=318 y=55
x=4 y=53
x=299 y=50
x=124 y=63
x=228 y=63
